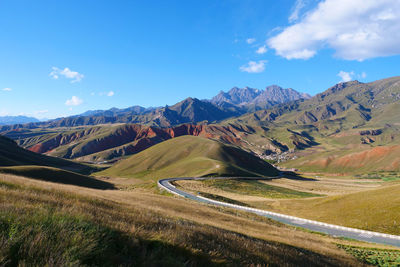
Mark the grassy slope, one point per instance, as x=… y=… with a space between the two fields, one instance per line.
x=256 y=188
x=56 y=176
x=358 y=160
x=64 y=226
x=13 y=155
x=347 y=111
x=190 y=156
x=376 y=210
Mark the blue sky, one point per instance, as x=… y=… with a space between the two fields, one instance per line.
x=61 y=58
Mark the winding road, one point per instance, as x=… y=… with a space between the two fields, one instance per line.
x=331 y=229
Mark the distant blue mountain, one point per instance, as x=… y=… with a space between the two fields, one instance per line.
x=8 y=120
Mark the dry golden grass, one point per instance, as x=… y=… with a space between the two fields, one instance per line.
x=374 y=209
x=155 y=225
x=358 y=203
x=363 y=204
x=326 y=186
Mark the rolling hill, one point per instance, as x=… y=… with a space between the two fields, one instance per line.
x=346 y=118
x=109 y=142
x=190 y=156
x=55 y=175
x=356 y=160
x=13 y=155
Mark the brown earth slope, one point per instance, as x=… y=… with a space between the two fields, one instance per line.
x=107 y=142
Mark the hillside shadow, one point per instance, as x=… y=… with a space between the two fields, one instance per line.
x=311 y=138
x=294 y=176
x=54 y=175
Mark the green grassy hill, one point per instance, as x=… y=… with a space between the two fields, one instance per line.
x=13 y=155
x=191 y=156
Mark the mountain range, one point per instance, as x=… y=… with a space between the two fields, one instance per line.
x=345 y=118
x=255 y=99
x=235 y=102
x=9 y=120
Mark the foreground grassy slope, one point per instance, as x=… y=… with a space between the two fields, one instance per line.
x=56 y=176
x=62 y=226
x=190 y=156
x=13 y=155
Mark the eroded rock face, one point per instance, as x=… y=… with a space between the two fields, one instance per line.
x=129 y=139
x=99 y=143
x=371 y=132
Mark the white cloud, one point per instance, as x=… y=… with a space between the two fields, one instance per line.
x=67 y=73
x=356 y=30
x=74 y=101
x=250 y=40
x=262 y=50
x=298 y=6
x=346 y=76
x=7 y=89
x=363 y=75
x=39 y=112
x=254 y=66
x=110 y=93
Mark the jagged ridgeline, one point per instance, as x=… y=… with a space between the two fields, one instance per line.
x=235 y=102
x=351 y=113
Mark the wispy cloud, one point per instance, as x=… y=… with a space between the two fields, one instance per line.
x=254 y=66
x=262 y=50
x=356 y=30
x=363 y=75
x=109 y=93
x=296 y=9
x=250 y=40
x=7 y=89
x=4 y=112
x=74 y=76
x=39 y=112
x=74 y=101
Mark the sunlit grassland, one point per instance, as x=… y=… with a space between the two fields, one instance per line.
x=376 y=257
x=386 y=176
x=375 y=209
x=44 y=223
x=370 y=206
x=256 y=188
x=190 y=156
